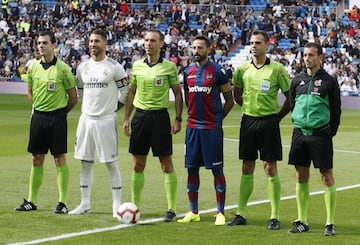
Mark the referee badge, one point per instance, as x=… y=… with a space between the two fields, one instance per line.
x=51 y=86
x=265 y=86
x=158 y=82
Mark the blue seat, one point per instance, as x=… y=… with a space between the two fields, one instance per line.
x=329 y=50
x=240 y=47
x=136 y=6
x=324 y=31
x=193 y=22
x=195 y=27
x=162 y=27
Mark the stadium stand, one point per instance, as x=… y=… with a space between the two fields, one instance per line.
x=227 y=23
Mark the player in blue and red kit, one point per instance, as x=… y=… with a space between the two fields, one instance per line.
x=204 y=81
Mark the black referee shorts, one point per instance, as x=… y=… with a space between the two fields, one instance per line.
x=260 y=134
x=151 y=128
x=48 y=130
x=317 y=148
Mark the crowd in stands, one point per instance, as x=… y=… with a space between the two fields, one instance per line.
x=227 y=23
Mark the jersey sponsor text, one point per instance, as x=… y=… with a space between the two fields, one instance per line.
x=200 y=89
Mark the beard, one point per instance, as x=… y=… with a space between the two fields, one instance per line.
x=200 y=58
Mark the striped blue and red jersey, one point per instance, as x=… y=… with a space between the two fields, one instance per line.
x=203 y=85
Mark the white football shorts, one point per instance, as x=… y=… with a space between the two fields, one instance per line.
x=97 y=138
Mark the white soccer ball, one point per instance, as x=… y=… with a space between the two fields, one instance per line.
x=128 y=213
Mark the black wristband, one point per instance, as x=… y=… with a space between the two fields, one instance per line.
x=178 y=119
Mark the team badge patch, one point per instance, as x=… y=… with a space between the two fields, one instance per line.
x=158 y=82
x=318 y=83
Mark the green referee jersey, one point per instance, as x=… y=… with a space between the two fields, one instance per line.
x=49 y=86
x=261 y=87
x=153 y=83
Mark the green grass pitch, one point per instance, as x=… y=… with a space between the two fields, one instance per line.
x=99 y=227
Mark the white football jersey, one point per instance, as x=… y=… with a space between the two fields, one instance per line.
x=100 y=82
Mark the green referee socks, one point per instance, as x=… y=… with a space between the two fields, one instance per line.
x=36 y=178
x=302 y=200
x=63 y=174
x=330 y=204
x=137 y=185
x=170 y=182
x=274 y=192
x=246 y=189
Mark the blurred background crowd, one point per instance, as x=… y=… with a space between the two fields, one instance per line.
x=228 y=24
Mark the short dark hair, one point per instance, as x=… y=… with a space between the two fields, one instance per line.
x=99 y=32
x=315 y=45
x=49 y=34
x=161 y=35
x=263 y=33
x=204 y=38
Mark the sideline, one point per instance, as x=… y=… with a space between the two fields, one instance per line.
x=122 y=226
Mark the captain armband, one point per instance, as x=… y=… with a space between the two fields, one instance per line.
x=122 y=83
x=123 y=92
x=226 y=87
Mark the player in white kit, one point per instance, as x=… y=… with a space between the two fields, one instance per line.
x=103 y=85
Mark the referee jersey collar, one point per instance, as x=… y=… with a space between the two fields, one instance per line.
x=146 y=61
x=267 y=62
x=47 y=65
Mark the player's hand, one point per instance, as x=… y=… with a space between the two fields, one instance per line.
x=176 y=127
x=125 y=128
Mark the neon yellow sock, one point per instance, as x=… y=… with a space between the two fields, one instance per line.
x=36 y=178
x=330 y=203
x=246 y=189
x=63 y=175
x=274 y=192
x=302 y=200
x=170 y=182
x=137 y=185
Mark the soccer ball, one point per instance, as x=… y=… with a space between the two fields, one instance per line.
x=128 y=213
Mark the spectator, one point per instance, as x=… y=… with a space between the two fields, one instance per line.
x=348 y=88
x=235 y=16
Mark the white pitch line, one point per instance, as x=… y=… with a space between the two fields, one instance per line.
x=122 y=226
x=287 y=126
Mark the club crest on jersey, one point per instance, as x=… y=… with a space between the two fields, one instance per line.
x=209 y=76
x=158 y=82
x=86 y=68
x=302 y=83
x=106 y=72
x=318 y=83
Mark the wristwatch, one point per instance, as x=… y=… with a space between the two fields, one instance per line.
x=178 y=118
